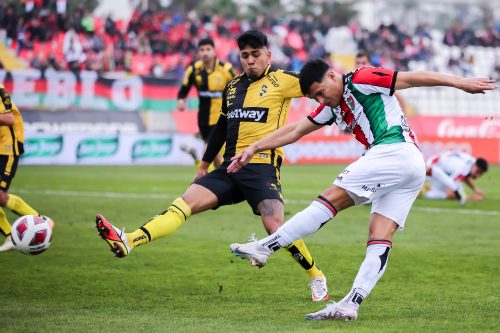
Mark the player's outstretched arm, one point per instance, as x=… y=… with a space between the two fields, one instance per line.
x=215 y=142
x=472 y=184
x=281 y=137
x=406 y=80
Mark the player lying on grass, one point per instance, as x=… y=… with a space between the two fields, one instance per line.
x=446 y=172
x=391 y=172
x=254 y=104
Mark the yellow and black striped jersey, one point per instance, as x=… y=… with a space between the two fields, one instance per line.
x=210 y=85
x=11 y=137
x=256 y=108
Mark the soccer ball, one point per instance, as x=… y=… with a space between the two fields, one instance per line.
x=31 y=234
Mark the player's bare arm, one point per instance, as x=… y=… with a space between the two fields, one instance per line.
x=7 y=119
x=214 y=145
x=406 y=80
x=181 y=104
x=285 y=135
x=472 y=184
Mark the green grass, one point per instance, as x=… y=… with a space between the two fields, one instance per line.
x=443 y=273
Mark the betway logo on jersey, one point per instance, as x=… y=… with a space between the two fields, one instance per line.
x=258 y=115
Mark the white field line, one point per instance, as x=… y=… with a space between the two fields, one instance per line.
x=167 y=196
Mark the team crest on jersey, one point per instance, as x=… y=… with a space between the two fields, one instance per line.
x=350 y=102
x=263 y=91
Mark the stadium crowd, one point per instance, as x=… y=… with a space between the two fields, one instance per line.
x=156 y=42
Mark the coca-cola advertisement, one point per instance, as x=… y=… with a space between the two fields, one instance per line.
x=456 y=127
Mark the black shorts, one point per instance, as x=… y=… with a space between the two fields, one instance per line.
x=205 y=131
x=8 y=168
x=253 y=183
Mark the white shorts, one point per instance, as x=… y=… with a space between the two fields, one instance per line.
x=438 y=190
x=389 y=175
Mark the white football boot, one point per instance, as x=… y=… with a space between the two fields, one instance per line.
x=319 y=289
x=253 y=251
x=334 y=311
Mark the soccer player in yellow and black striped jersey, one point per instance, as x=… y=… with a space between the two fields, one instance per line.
x=254 y=104
x=209 y=75
x=11 y=147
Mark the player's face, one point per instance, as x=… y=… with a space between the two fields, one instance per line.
x=476 y=172
x=206 y=53
x=254 y=61
x=362 y=61
x=328 y=91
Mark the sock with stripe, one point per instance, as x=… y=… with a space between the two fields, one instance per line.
x=301 y=254
x=18 y=206
x=371 y=270
x=302 y=224
x=4 y=224
x=162 y=224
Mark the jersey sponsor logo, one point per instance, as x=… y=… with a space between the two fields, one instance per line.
x=263 y=91
x=231 y=92
x=350 y=102
x=273 y=80
x=258 y=115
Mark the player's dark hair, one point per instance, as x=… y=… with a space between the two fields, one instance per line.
x=313 y=71
x=206 y=41
x=482 y=164
x=362 y=54
x=253 y=38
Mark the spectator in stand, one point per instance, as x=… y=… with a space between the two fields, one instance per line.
x=10 y=22
x=73 y=52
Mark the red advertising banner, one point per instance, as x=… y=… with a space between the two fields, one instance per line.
x=482 y=147
x=344 y=149
x=456 y=127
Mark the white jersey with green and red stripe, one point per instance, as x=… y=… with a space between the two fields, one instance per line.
x=368 y=109
x=456 y=164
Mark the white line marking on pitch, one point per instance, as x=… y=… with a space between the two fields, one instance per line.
x=166 y=196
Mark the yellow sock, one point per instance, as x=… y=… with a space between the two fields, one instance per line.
x=4 y=223
x=18 y=206
x=301 y=254
x=162 y=224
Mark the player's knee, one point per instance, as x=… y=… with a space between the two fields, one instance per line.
x=199 y=198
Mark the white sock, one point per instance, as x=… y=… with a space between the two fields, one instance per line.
x=302 y=224
x=442 y=177
x=436 y=194
x=371 y=270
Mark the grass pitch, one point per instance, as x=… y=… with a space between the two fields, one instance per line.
x=443 y=272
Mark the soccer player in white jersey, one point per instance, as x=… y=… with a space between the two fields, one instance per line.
x=446 y=172
x=391 y=172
